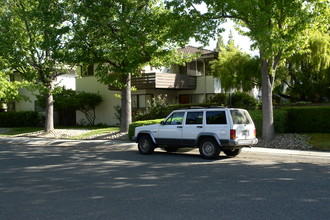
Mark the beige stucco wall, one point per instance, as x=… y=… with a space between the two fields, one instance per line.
x=105 y=112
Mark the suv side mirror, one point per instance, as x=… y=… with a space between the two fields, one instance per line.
x=162 y=123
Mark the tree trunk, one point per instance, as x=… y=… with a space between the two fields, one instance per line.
x=126 y=104
x=49 y=120
x=268 y=132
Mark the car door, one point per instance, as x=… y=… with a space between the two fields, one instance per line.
x=192 y=126
x=170 y=132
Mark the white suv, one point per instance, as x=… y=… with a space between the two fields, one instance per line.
x=210 y=129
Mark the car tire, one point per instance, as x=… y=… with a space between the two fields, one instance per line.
x=209 y=148
x=232 y=152
x=146 y=145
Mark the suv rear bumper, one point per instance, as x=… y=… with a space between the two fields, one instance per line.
x=241 y=142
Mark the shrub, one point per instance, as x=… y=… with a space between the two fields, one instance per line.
x=19 y=119
x=220 y=99
x=280 y=121
x=309 y=119
x=243 y=100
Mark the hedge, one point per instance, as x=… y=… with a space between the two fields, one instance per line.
x=280 y=121
x=309 y=119
x=19 y=119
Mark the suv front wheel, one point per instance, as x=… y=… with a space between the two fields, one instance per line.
x=209 y=148
x=146 y=145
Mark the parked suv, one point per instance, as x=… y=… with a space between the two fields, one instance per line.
x=210 y=129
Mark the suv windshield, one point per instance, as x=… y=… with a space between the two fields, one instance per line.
x=240 y=117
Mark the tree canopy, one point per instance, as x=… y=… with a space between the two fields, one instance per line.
x=278 y=29
x=33 y=43
x=236 y=69
x=123 y=36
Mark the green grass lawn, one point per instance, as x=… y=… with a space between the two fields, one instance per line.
x=22 y=130
x=94 y=131
x=320 y=141
x=97 y=131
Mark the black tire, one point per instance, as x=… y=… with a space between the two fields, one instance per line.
x=232 y=152
x=209 y=148
x=146 y=145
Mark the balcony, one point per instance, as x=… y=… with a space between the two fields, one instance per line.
x=162 y=81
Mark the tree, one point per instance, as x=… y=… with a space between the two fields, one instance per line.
x=9 y=90
x=67 y=99
x=307 y=73
x=236 y=69
x=123 y=36
x=33 y=41
x=278 y=28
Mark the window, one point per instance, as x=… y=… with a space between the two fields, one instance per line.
x=216 y=117
x=175 y=119
x=141 y=101
x=240 y=117
x=194 y=118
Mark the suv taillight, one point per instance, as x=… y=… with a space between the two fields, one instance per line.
x=255 y=133
x=232 y=134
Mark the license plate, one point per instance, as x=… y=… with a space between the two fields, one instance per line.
x=246 y=133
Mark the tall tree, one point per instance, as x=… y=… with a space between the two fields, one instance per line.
x=32 y=40
x=123 y=36
x=236 y=69
x=278 y=28
x=307 y=73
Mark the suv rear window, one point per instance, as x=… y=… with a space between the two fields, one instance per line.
x=240 y=117
x=216 y=117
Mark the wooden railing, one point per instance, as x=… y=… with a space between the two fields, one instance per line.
x=163 y=81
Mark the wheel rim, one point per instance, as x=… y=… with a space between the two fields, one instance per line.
x=208 y=149
x=144 y=145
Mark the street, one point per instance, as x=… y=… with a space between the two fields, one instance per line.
x=42 y=179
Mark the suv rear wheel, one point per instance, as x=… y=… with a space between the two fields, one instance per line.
x=209 y=148
x=146 y=145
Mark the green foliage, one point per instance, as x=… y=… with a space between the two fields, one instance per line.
x=133 y=125
x=309 y=119
x=19 y=119
x=9 y=90
x=236 y=70
x=220 y=98
x=243 y=100
x=67 y=99
x=280 y=121
x=33 y=42
x=307 y=73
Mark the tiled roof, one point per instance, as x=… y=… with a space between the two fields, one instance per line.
x=191 y=49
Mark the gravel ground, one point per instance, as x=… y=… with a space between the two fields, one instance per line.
x=282 y=141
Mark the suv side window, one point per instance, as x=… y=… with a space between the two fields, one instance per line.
x=175 y=119
x=216 y=117
x=194 y=118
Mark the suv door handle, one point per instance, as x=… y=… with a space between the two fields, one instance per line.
x=199 y=127
x=179 y=126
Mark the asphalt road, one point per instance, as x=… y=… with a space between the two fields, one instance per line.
x=42 y=179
